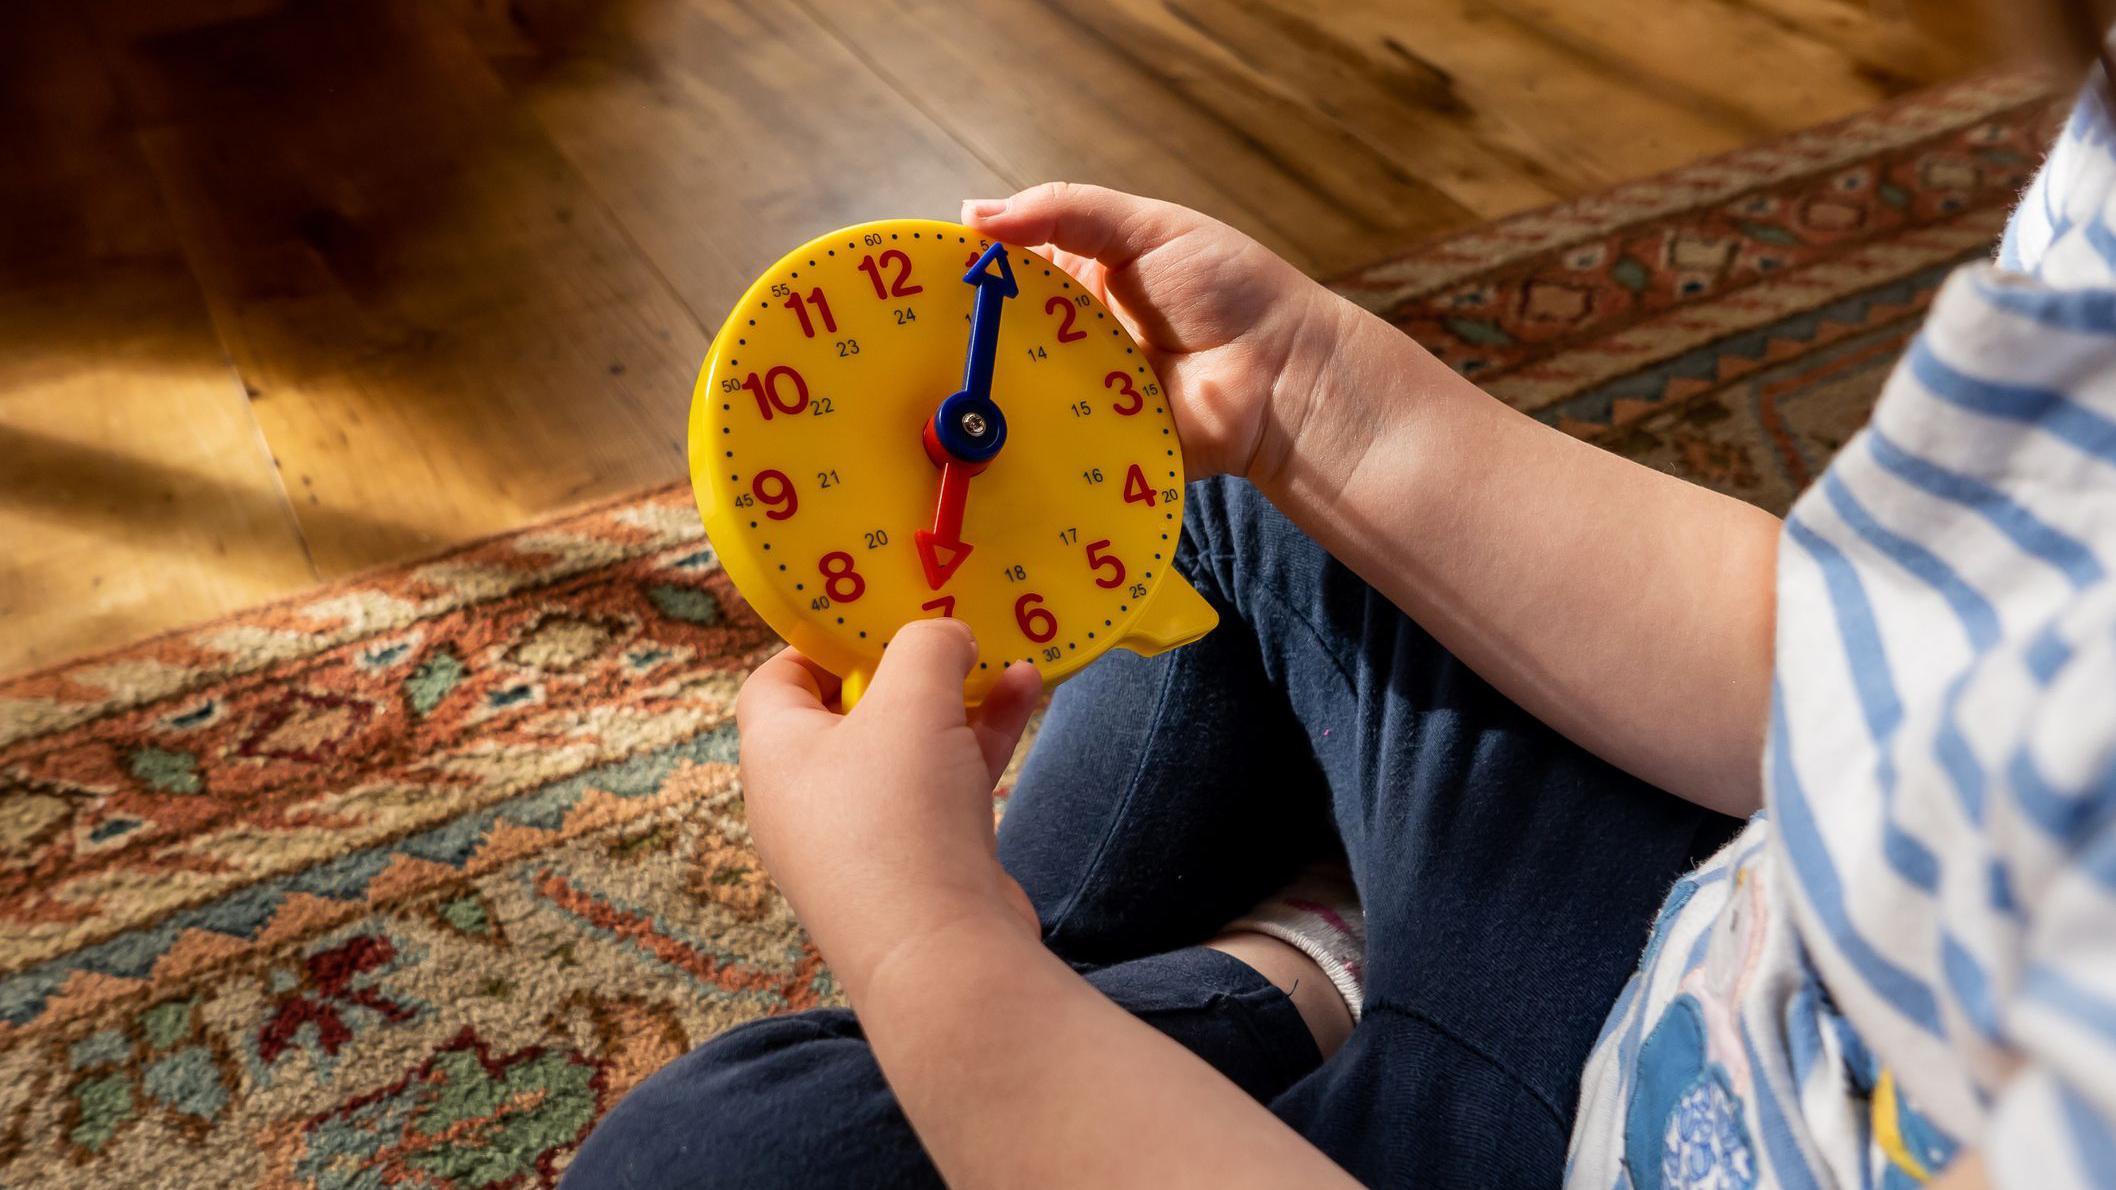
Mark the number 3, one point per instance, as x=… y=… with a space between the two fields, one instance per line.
x=1138 y=401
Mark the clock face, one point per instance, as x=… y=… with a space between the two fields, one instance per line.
x=814 y=478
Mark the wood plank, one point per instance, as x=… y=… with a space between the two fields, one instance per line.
x=1465 y=93
x=1151 y=108
x=1919 y=41
x=723 y=134
x=443 y=331
x=1331 y=92
x=1503 y=96
x=1750 y=66
x=135 y=493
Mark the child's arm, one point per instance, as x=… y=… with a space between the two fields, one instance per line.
x=1628 y=609
x=1965 y=1173
x=1016 y=1071
x=878 y=827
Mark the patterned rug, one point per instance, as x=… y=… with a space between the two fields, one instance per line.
x=406 y=881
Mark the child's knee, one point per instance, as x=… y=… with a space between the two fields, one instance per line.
x=783 y=1101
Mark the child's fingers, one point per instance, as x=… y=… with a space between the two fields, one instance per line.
x=1091 y=276
x=1085 y=270
x=1004 y=713
x=1094 y=278
x=920 y=678
x=1107 y=225
x=783 y=690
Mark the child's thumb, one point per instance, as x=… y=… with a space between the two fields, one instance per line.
x=922 y=672
x=1107 y=225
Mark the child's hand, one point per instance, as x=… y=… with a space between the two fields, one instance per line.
x=877 y=824
x=1242 y=339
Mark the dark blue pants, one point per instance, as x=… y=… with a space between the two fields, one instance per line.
x=1508 y=879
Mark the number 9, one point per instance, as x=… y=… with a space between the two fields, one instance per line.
x=775 y=491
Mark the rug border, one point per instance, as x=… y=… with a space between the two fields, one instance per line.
x=2031 y=82
x=365 y=576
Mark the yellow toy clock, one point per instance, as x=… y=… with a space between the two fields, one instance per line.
x=902 y=419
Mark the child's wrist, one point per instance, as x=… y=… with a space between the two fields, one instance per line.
x=951 y=944
x=1348 y=392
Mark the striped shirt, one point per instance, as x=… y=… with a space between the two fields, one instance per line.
x=1911 y=952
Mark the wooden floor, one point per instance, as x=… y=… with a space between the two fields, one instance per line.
x=289 y=290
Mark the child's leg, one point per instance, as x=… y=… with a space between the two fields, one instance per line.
x=799 y=1100
x=1164 y=797
x=1507 y=876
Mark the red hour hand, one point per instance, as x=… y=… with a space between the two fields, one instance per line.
x=941 y=549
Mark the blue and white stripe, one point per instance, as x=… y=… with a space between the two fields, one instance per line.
x=1930 y=900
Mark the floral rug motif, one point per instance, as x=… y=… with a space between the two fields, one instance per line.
x=407 y=880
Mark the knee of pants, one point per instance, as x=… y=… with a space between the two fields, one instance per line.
x=794 y=1100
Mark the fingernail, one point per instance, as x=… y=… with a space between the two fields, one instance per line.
x=982 y=208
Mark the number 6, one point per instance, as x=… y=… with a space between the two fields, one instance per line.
x=1036 y=623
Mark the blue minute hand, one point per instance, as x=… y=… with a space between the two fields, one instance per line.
x=992 y=290
x=969 y=426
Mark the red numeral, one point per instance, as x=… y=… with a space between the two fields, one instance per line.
x=1097 y=559
x=766 y=391
x=945 y=605
x=897 y=287
x=1136 y=489
x=773 y=488
x=1138 y=401
x=1064 y=309
x=1037 y=623
x=840 y=581
x=795 y=303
